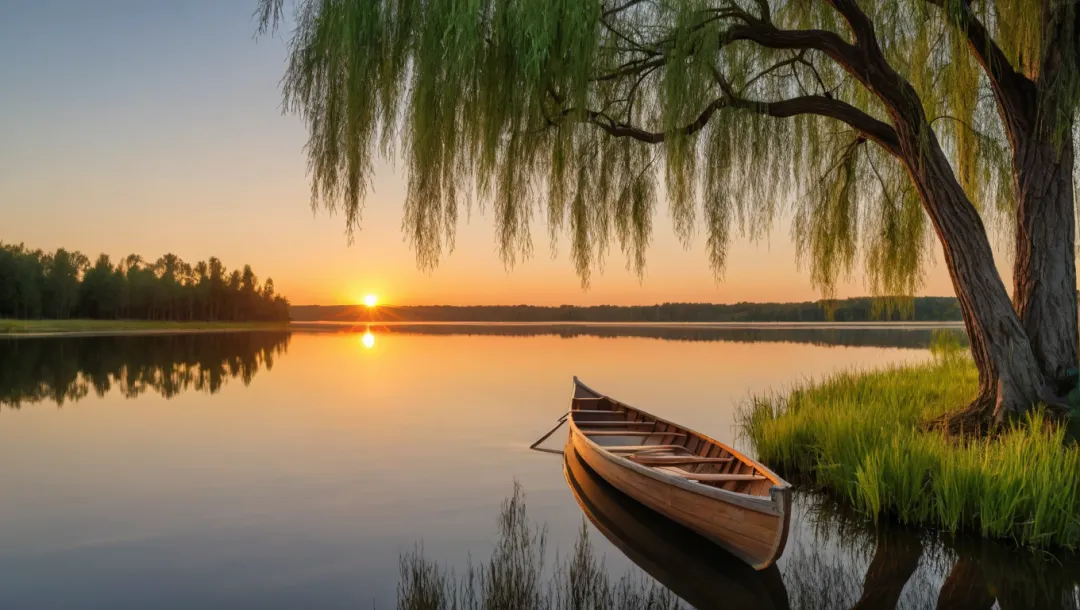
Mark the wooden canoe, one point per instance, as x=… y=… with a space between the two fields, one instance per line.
x=690 y=566
x=694 y=480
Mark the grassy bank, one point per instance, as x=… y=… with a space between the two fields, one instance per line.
x=48 y=327
x=861 y=436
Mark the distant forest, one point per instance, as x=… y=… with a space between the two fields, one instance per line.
x=63 y=284
x=927 y=309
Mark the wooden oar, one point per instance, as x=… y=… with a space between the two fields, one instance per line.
x=562 y=420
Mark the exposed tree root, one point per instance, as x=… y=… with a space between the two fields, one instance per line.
x=975 y=420
x=985 y=416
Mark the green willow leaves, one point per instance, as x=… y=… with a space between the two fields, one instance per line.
x=591 y=112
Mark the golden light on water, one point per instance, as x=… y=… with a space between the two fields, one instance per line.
x=368 y=339
x=371 y=300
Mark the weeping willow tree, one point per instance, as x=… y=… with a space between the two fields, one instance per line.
x=884 y=124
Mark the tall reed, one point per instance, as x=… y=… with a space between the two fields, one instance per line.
x=862 y=436
x=517 y=576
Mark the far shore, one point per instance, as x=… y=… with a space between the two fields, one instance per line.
x=332 y=325
x=93 y=328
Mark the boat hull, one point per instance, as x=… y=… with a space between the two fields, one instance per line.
x=751 y=528
x=690 y=566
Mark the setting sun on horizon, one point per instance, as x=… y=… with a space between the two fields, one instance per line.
x=371 y=300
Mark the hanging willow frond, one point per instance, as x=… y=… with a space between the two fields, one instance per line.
x=579 y=108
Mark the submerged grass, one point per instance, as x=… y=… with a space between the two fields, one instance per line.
x=516 y=576
x=862 y=436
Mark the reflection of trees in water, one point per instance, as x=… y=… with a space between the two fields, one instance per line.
x=840 y=560
x=67 y=369
x=916 y=338
x=834 y=559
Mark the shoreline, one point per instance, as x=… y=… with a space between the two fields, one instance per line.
x=864 y=437
x=324 y=325
x=38 y=329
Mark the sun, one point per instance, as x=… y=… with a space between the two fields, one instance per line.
x=371 y=300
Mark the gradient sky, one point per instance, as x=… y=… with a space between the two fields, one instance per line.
x=153 y=126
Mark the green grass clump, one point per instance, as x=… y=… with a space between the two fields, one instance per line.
x=863 y=437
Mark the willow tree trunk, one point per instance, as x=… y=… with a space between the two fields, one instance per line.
x=1044 y=272
x=1010 y=378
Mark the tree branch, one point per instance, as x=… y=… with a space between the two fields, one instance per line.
x=854 y=59
x=625 y=130
x=618 y=9
x=633 y=67
x=768 y=35
x=820 y=105
x=859 y=22
x=1013 y=91
x=831 y=44
x=863 y=60
x=777 y=66
x=879 y=131
x=986 y=50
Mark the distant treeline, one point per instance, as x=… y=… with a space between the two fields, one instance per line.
x=63 y=284
x=929 y=309
x=63 y=370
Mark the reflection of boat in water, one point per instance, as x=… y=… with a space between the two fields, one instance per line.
x=690 y=566
x=686 y=476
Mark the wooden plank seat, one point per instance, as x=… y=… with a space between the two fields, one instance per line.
x=644 y=448
x=631 y=433
x=598 y=411
x=676 y=460
x=709 y=477
x=612 y=424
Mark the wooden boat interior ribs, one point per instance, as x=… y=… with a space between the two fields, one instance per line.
x=665 y=446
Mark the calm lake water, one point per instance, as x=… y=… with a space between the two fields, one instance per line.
x=275 y=470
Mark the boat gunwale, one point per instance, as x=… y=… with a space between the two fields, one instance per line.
x=769 y=504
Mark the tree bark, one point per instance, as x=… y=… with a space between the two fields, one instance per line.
x=1044 y=271
x=1010 y=379
x=1040 y=137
